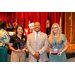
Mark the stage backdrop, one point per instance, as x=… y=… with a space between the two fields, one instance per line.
x=24 y=17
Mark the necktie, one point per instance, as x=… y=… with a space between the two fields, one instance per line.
x=36 y=37
x=37 y=41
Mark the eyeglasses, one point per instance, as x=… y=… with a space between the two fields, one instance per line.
x=54 y=27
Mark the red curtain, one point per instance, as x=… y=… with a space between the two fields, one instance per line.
x=19 y=17
x=26 y=19
x=23 y=17
x=43 y=22
x=6 y=17
x=31 y=17
x=38 y=16
x=58 y=17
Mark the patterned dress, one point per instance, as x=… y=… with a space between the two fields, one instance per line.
x=55 y=58
x=4 y=42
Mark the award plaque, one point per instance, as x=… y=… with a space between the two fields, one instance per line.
x=21 y=45
x=55 y=50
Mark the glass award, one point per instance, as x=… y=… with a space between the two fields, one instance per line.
x=21 y=45
x=55 y=50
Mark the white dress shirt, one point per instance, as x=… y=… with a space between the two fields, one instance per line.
x=36 y=33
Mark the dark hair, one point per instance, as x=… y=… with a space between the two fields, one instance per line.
x=3 y=25
x=19 y=26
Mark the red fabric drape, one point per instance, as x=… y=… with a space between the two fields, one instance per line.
x=26 y=19
x=38 y=16
x=6 y=17
x=2 y=15
x=54 y=17
x=46 y=15
x=14 y=16
x=43 y=22
x=31 y=17
x=34 y=16
x=22 y=18
x=51 y=18
x=19 y=18
x=58 y=17
x=11 y=17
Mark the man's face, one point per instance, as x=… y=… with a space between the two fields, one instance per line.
x=37 y=27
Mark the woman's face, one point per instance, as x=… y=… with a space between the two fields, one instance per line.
x=20 y=30
x=55 y=29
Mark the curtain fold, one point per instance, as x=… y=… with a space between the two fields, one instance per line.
x=23 y=18
x=26 y=19
x=38 y=16
x=6 y=17
x=31 y=17
x=19 y=18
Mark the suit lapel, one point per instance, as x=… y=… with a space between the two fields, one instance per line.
x=34 y=38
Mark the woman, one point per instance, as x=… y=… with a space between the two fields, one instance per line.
x=57 y=45
x=4 y=41
x=17 y=45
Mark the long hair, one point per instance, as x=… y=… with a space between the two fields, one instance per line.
x=58 y=34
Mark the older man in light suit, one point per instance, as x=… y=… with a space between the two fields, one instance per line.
x=37 y=43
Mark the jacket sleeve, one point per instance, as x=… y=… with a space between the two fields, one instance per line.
x=45 y=47
x=29 y=46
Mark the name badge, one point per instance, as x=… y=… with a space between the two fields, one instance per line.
x=55 y=50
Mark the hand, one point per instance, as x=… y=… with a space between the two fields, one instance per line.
x=59 y=54
x=50 y=52
x=18 y=51
x=36 y=56
x=23 y=50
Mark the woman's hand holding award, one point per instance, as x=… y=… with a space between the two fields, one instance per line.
x=55 y=50
x=22 y=46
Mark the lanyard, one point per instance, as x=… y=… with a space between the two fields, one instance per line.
x=55 y=41
x=55 y=44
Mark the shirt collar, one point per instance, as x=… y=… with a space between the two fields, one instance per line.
x=38 y=32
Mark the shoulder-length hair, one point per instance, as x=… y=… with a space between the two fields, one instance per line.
x=58 y=34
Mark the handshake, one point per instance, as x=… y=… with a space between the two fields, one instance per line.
x=36 y=55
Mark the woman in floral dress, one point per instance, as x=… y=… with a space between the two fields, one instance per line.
x=4 y=41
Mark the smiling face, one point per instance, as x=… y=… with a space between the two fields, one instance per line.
x=37 y=27
x=20 y=30
x=55 y=29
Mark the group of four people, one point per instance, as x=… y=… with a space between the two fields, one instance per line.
x=37 y=43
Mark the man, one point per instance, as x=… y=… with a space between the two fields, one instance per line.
x=37 y=43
